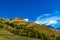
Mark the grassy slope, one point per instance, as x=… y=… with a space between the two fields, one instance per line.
x=6 y=35
x=2 y=38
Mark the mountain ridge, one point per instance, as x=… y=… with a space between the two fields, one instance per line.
x=21 y=27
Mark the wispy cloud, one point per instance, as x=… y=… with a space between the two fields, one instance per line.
x=49 y=19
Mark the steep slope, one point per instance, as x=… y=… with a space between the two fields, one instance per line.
x=5 y=34
x=18 y=28
x=37 y=27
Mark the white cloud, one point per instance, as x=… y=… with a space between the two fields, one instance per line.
x=26 y=19
x=49 y=19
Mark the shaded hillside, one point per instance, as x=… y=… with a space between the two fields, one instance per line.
x=19 y=27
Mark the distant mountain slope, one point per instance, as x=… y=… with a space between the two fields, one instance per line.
x=17 y=28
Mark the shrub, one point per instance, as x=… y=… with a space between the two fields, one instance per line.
x=46 y=37
x=1 y=25
x=58 y=38
x=11 y=24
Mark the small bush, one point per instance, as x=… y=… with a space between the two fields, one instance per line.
x=1 y=25
x=58 y=38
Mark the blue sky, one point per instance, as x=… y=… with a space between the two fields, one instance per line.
x=30 y=9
